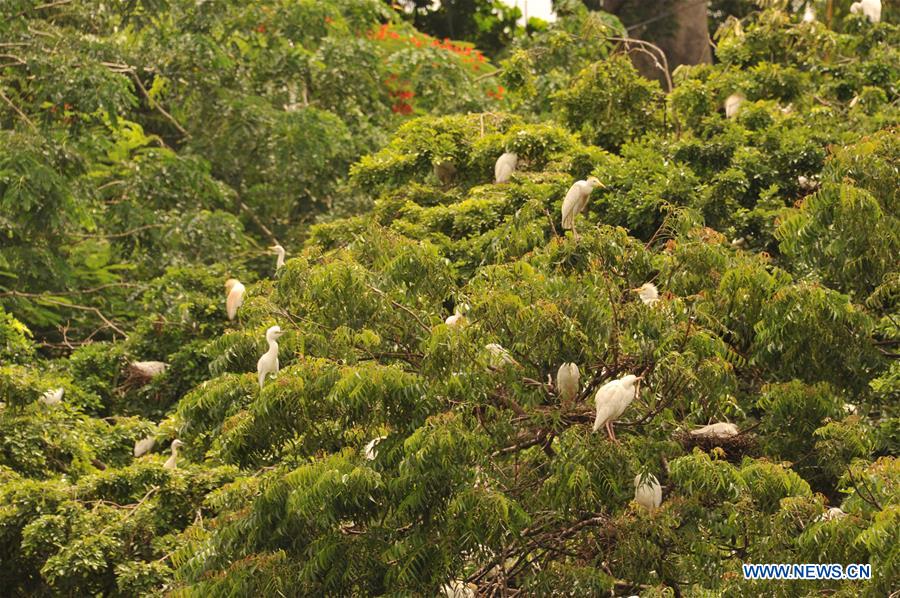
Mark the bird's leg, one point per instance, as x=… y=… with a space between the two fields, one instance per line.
x=574 y=230
x=612 y=432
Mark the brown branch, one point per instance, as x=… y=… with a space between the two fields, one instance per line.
x=259 y=223
x=42 y=7
x=154 y=104
x=401 y=306
x=126 y=233
x=75 y=306
x=16 y=110
x=645 y=47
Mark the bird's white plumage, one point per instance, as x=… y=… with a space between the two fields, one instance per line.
x=647 y=491
x=870 y=8
x=268 y=363
x=457 y=589
x=52 y=397
x=499 y=355
x=505 y=166
x=150 y=369
x=612 y=399
x=171 y=463
x=280 y=252
x=144 y=446
x=832 y=514
x=369 y=450
x=850 y=409
x=457 y=319
x=576 y=200
x=568 y=381
x=809 y=14
x=234 y=297
x=648 y=293
x=716 y=430
x=733 y=104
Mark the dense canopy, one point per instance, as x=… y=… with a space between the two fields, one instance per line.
x=151 y=151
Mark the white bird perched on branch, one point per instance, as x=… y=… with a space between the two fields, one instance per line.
x=611 y=401
x=576 y=200
x=458 y=589
x=369 y=450
x=870 y=8
x=144 y=446
x=832 y=514
x=171 y=462
x=568 y=382
x=809 y=13
x=268 y=363
x=717 y=430
x=499 y=355
x=505 y=166
x=733 y=104
x=280 y=252
x=52 y=397
x=457 y=319
x=648 y=293
x=234 y=292
x=647 y=491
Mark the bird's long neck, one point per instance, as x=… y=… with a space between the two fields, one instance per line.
x=273 y=347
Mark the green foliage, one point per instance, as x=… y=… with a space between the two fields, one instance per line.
x=394 y=452
x=609 y=103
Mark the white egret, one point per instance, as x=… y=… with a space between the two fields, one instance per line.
x=457 y=319
x=444 y=170
x=733 y=104
x=567 y=382
x=832 y=514
x=52 y=397
x=234 y=292
x=171 y=462
x=647 y=491
x=268 y=363
x=499 y=355
x=809 y=14
x=648 y=293
x=280 y=252
x=369 y=450
x=458 y=589
x=611 y=401
x=739 y=243
x=505 y=166
x=850 y=409
x=144 y=446
x=870 y=8
x=806 y=183
x=717 y=430
x=149 y=369
x=576 y=200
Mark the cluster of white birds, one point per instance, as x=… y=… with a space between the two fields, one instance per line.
x=145 y=445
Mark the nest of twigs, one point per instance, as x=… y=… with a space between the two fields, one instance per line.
x=734 y=447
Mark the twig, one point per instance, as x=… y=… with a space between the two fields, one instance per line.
x=259 y=223
x=401 y=306
x=154 y=104
x=126 y=233
x=52 y=301
x=16 y=110
x=42 y=7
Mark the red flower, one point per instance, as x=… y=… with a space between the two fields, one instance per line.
x=260 y=28
x=329 y=20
